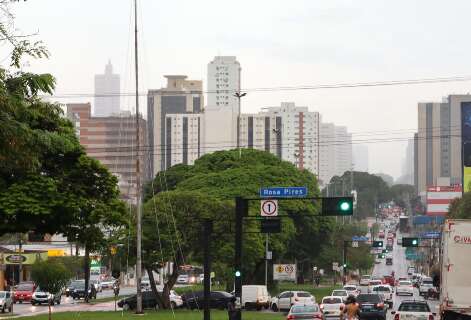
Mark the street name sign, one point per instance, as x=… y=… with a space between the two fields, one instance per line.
x=283 y=192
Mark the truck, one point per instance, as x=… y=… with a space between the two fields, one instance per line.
x=404 y=224
x=455 y=280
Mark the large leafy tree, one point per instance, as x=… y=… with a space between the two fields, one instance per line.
x=460 y=208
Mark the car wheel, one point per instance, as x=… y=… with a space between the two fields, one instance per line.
x=21 y=301
x=33 y=304
x=274 y=307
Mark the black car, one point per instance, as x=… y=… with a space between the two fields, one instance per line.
x=70 y=288
x=218 y=300
x=79 y=292
x=149 y=301
x=371 y=306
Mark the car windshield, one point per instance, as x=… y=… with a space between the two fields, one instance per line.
x=350 y=288
x=375 y=282
x=25 y=287
x=366 y=277
x=77 y=283
x=428 y=281
x=405 y=283
x=369 y=298
x=339 y=293
x=304 y=294
x=331 y=300
x=414 y=307
x=2 y=294
x=304 y=309
x=383 y=289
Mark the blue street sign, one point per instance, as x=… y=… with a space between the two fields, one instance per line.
x=361 y=238
x=283 y=192
x=431 y=235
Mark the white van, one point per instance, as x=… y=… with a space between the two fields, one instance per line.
x=255 y=297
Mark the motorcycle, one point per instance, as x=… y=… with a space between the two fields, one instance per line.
x=432 y=293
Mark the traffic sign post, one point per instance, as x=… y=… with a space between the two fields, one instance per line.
x=269 y=208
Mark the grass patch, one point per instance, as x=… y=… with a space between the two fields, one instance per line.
x=157 y=315
x=107 y=299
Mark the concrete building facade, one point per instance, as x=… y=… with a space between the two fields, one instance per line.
x=107 y=93
x=179 y=97
x=112 y=141
x=439 y=142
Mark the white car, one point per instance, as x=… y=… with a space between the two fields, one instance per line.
x=413 y=310
x=108 y=283
x=97 y=284
x=183 y=279
x=340 y=293
x=255 y=297
x=286 y=299
x=404 y=287
x=372 y=284
x=365 y=280
x=386 y=291
x=351 y=289
x=332 y=306
x=425 y=284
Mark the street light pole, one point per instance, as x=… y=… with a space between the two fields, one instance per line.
x=239 y=95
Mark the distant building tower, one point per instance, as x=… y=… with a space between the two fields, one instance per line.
x=107 y=93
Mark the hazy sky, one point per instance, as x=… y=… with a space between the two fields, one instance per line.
x=278 y=43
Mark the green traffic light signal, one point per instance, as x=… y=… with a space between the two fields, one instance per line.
x=410 y=242
x=237 y=273
x=377 y=244
x=337 y=206
x=345 y=206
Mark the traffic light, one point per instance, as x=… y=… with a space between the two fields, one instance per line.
x=385 y=251
x=238 y=274
x=377 y=244
x=410 y=242
x=337 y=206
x=381 y=255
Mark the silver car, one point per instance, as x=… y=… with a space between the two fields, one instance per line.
x=6 y=301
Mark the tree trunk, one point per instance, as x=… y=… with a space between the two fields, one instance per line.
x=86 y=269
x=50 y=316
x=158 y=296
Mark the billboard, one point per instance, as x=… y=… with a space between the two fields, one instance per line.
x=440 y=197
x=284 y=272
x=466 y=144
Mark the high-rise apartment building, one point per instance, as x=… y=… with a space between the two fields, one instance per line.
x=335 y=151
x=288 y=131
x=107 y=93
x=360 y=157
x=173 y=124
x=222 y=111
x=112 y=141
x=439 y=142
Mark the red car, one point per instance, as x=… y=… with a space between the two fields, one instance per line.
x=381 y=235
x=23 y=292
x=389 y=280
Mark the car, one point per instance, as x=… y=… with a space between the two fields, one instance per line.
x=145 y=283
x=381 y=235
x=410 y=270
x=23 y=292
x=351 y=289
x=340 y=293
x=286 y=299
x=299 y=311
x=43 y=297
x=413 y=310
x=390 y=248
x=371 y=305
x=218 y=299
x=401 y=279
x=108 y=283
x=6 y=301
x=389 y=279
x=70 y=288
x=404 y=287
x=79 y=291
x=373 y=283
x=386 y=291
x=183 y=279
x=255 y=297
x=149 y=300
x=365 y=280
x=399 y=241
x=389 y=261
x=425 y=284
x=97 y=284
x=332 y=306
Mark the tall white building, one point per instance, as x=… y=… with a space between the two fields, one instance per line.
x=288 y=131
x=222 y=111
x=335 y=151
x=107 y=93
x=360 y=157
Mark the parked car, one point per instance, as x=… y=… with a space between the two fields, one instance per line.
x=149 y=300
x=218 y=299
x=286 y=299
x=44 y=297
x=23 y=292
x=425 y=284
x=183 y=279
x=70 y=288
x=365 y=280
x=305 y=312
x=255 y=297
x=6 y=301
x=371 y=306
x=404 y=287
x=351 y=289
x=332 y=306
x=413 y=310
x=340 y=293
x=385 y=291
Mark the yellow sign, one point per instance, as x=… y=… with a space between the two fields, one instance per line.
x=55 y=253
x=24 y=258
x=466 y=179
x=113 y=250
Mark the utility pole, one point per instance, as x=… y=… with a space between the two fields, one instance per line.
x=20 y=265
x=138 y=175
x=266 y=259
x=208 y=228
x=239 y=95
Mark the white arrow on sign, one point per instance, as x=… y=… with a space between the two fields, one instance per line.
x=269 y=208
